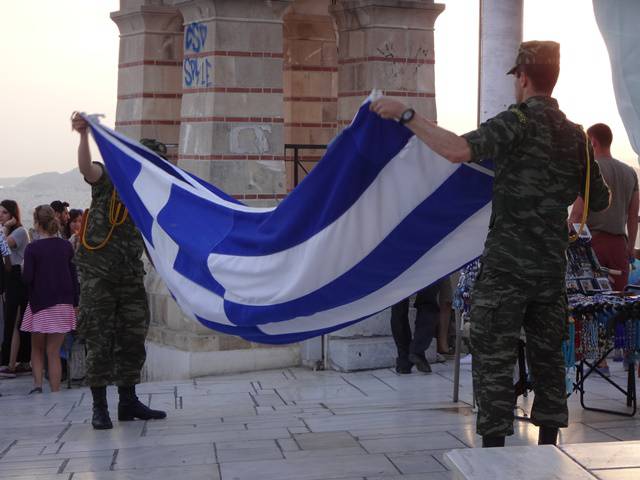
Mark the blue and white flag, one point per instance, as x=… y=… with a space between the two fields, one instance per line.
x=380 y=217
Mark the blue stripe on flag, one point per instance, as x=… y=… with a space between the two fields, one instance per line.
x=197 y=226
x=254 y=334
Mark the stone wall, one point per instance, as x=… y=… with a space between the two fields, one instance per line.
x=310 y=81
x=149 y=71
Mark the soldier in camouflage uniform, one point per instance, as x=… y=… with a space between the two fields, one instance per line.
x=114 y=313
x=540 y=163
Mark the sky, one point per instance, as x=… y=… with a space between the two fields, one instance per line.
x=57 y=63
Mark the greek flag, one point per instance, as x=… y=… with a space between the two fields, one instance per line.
x=380 y=217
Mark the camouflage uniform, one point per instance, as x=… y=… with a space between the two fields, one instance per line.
x=540 y=165
x=114 y=313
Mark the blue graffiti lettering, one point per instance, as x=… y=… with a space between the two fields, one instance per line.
x=195 y=36
x=207 y=69
x=197 y=72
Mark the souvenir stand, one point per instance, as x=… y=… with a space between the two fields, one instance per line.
x=600 y=322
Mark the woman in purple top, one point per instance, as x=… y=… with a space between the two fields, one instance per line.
x=50 y=276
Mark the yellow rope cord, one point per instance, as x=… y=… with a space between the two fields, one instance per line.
x=585 y=210
x=116 y=218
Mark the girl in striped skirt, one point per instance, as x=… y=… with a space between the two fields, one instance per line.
x=50 y=276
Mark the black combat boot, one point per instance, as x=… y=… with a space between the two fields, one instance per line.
x=421 y=362
x=100 y=419
x=547 y=436
x=489 y=441
x=403 y=365
x=130 y=408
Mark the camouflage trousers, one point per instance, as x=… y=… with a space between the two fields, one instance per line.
x=501 y=305
x=113 y=320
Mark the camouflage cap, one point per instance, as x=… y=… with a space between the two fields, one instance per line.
x=537 y=52
x=153 y=144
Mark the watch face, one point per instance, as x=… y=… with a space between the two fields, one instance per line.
x=407 y=115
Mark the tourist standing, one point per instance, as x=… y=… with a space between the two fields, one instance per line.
x=52 y=284
x=16 y=346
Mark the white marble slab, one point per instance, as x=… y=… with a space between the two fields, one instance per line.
x=412 y=443
x=310 y=468
x=618 y=474
x=288 y=445
x=244 y=451
x=605 y=455
x=524 y=463
x=148 y=457
x=326 y=440
x=418 y=476
x=89 y=464
x=190 y=472
x=171 y=440
x=31 y=472
x=41 y=476
x=631 y=432
x=327 y=453
x=416 y=462
x=85 y=432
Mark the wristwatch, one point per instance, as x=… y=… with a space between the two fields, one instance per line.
x=407 y=116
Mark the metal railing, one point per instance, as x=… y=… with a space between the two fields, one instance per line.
x=297 y=163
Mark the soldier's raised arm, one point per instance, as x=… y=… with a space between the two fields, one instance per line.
x=445 y=143
x=91 y=171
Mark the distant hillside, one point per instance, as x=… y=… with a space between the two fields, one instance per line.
x=44 y=188
x=9 y=181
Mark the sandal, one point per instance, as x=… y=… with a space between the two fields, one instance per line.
x=35 y=390
x=6 y=372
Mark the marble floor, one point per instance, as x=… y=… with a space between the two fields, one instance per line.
x=292 y=424
x=578 y=461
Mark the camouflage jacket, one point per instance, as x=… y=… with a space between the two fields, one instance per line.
x=121 y=256
x=540 y=168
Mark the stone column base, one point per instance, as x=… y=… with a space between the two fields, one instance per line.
x=366 y=353
x=167 y=363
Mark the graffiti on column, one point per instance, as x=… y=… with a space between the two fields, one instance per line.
x=197 y=70
x=249 y=139
x=195 y=37
x=397 y=68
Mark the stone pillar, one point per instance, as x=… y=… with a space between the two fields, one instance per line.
x=231 y=135
x=310 y=80
x=149 y=71
x=232 y=125
x=386 y=45
x=500 y=36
